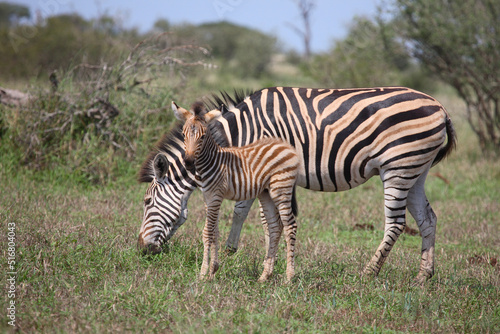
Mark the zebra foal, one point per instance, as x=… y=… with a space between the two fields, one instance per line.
x=266 y=169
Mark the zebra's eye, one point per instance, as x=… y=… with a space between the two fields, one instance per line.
x=147 y=201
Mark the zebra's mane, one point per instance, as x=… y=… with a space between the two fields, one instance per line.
x=169 y=143
x=165 y=145
x=224 y=98
x=224 y=101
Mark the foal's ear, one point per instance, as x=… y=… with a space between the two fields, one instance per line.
x=211 y=115
x=160 y=165
x=180 y=113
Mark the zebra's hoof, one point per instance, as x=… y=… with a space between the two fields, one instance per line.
x=215 y=268
x=369 y=272
x=420 y=280
x=229 y=250
x=263 y=278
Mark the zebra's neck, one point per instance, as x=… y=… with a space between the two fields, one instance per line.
x=208 y=160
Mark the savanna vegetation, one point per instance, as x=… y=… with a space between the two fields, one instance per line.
x=96 y=98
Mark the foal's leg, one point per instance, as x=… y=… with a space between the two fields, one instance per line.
x=283 y=201
x=272 y=228
x=271 y=214
x=290 y=228
x=211 y=239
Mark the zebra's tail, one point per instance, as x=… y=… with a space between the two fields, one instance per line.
x=295 y=207
x=451 y=143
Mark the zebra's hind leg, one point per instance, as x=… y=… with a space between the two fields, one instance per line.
x=395 y=197
x=272 y=228
x=241 y=210
x=426 y=219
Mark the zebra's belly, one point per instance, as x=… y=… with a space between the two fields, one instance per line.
x=323 y=181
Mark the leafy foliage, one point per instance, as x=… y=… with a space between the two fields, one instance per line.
x=370 y=55
x=460 y=42
x=11 y=13
x=58 y=43
x=95 y=116
x=242 y=51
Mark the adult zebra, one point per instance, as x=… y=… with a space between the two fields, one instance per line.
x=343 y=137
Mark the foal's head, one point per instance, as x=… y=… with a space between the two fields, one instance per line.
x=195 y=129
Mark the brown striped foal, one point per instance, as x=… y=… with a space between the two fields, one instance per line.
x=266 y=169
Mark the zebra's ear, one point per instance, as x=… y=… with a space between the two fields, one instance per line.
x=211 y=115
x=180 y=113
x=160 y=165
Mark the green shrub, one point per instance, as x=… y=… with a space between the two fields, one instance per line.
x=98 y=116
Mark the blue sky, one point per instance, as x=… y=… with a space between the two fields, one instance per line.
x=330 y=19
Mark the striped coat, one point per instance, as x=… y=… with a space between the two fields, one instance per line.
x=266 y=169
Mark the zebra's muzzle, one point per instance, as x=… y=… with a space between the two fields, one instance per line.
x=189 y=164
x=147 y=249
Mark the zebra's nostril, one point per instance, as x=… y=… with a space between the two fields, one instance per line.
x=189 y=163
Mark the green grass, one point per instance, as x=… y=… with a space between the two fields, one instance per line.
x=78 y=269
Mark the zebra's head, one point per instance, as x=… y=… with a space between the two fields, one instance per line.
x=194 y=130
x=165 y=201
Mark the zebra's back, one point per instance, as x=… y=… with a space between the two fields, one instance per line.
x=342 y=136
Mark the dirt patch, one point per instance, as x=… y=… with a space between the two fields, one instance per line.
x=411 y=231
x=363 y=227
x=484 y=259
x=370 y=227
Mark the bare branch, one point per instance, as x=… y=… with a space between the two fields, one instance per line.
x=305 y=9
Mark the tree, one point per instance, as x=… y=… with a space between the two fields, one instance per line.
x=370 y=55
x=460 y=42
x=305 y=8
x=245 y=52
x=60 y=42
x=161 y=25
x=11 y=13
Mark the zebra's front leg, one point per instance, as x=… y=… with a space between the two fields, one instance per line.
x=273 y=228
x=211 y=240
x=395 y=221
x=241 y=210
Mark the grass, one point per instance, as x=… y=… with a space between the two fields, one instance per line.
x=78 y=269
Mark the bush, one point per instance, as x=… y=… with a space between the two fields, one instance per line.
x=102 y=114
